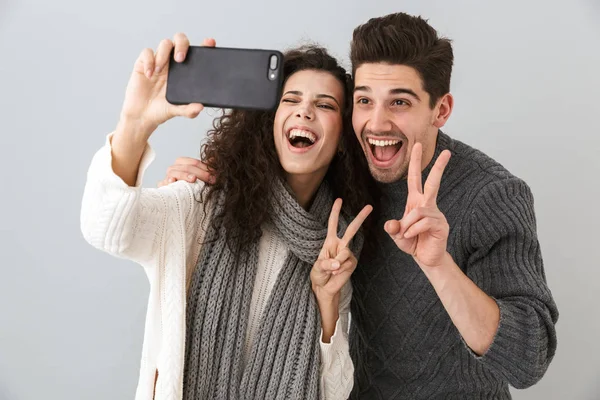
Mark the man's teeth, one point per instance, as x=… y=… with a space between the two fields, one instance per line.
x=383 y=143
x=300 y=133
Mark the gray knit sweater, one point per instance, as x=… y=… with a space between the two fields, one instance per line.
x=403 y=343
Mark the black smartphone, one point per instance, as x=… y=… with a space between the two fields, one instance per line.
x=221 y=77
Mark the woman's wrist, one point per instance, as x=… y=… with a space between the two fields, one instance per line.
x=135 y=130
x=128 y=144
x=329 y=310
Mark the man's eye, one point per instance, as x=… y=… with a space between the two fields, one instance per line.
x=363 y=101
x=400 y=102
x=288 y=101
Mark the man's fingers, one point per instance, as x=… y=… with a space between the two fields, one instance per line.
x=421 y=226
x=333 y=219
x=189 y=173
x=412 y=224
x=414 y=169
x=167 y=181
x=181 y=176
x=416 y=215
x=191 y=161
x=356 y=224
x=432 y=184
x=392 y=227
x=182 y=44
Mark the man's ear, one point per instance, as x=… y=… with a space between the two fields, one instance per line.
x=443 y=110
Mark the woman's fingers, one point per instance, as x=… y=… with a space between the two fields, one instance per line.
x=145 y=63
x=332 y=224
x=162 y=55
x=182 y=44
x=348 y=266
x=355 y=225
x=209 y=42
x=329 y=265
x=188 y=110
x=344 y=255
x=347 y=260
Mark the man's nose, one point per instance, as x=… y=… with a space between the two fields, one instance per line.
x=379 y=120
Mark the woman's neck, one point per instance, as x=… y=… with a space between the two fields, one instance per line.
x=305 y=186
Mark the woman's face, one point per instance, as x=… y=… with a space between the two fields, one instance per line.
x=308 y=123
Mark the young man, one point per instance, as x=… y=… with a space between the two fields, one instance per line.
x=453 y=302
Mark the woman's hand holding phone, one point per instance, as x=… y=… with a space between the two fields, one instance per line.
x=145 y=105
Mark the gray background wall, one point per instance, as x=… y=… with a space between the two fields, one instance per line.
x=526 y=86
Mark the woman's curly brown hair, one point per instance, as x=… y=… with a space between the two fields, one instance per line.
x=241 y=149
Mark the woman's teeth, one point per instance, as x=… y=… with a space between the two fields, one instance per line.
x=301 y=138
x=294 y=133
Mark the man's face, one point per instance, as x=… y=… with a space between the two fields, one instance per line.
x=392 y=113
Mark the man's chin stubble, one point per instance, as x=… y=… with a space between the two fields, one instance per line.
x=385 y=177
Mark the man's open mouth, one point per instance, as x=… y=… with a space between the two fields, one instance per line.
x=384 y=150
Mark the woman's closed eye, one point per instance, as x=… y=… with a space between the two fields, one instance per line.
x=326 y=106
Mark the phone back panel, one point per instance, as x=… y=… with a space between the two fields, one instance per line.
x=226 y=78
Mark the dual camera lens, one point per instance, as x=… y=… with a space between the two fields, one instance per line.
x=273 y=65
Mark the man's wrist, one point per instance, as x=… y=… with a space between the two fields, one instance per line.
x=440 y=274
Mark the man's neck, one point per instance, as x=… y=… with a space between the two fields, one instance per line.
x=429 y=149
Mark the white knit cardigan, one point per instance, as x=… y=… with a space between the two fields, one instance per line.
x=160 y=229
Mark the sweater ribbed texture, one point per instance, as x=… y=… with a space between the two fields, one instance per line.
x=404 y=344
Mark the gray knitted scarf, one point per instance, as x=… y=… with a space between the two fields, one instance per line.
x=284 y=361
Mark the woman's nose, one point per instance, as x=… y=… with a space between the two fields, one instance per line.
x=304 y=113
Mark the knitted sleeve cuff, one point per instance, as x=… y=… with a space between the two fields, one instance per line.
x=337 y=369
x=515 y=352
x=102 y=164
x=337 y=348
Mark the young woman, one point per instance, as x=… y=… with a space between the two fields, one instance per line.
x=249 y=276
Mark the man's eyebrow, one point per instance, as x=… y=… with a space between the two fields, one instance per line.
x=405 y=91
x=362 y=89
x=392 y=91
